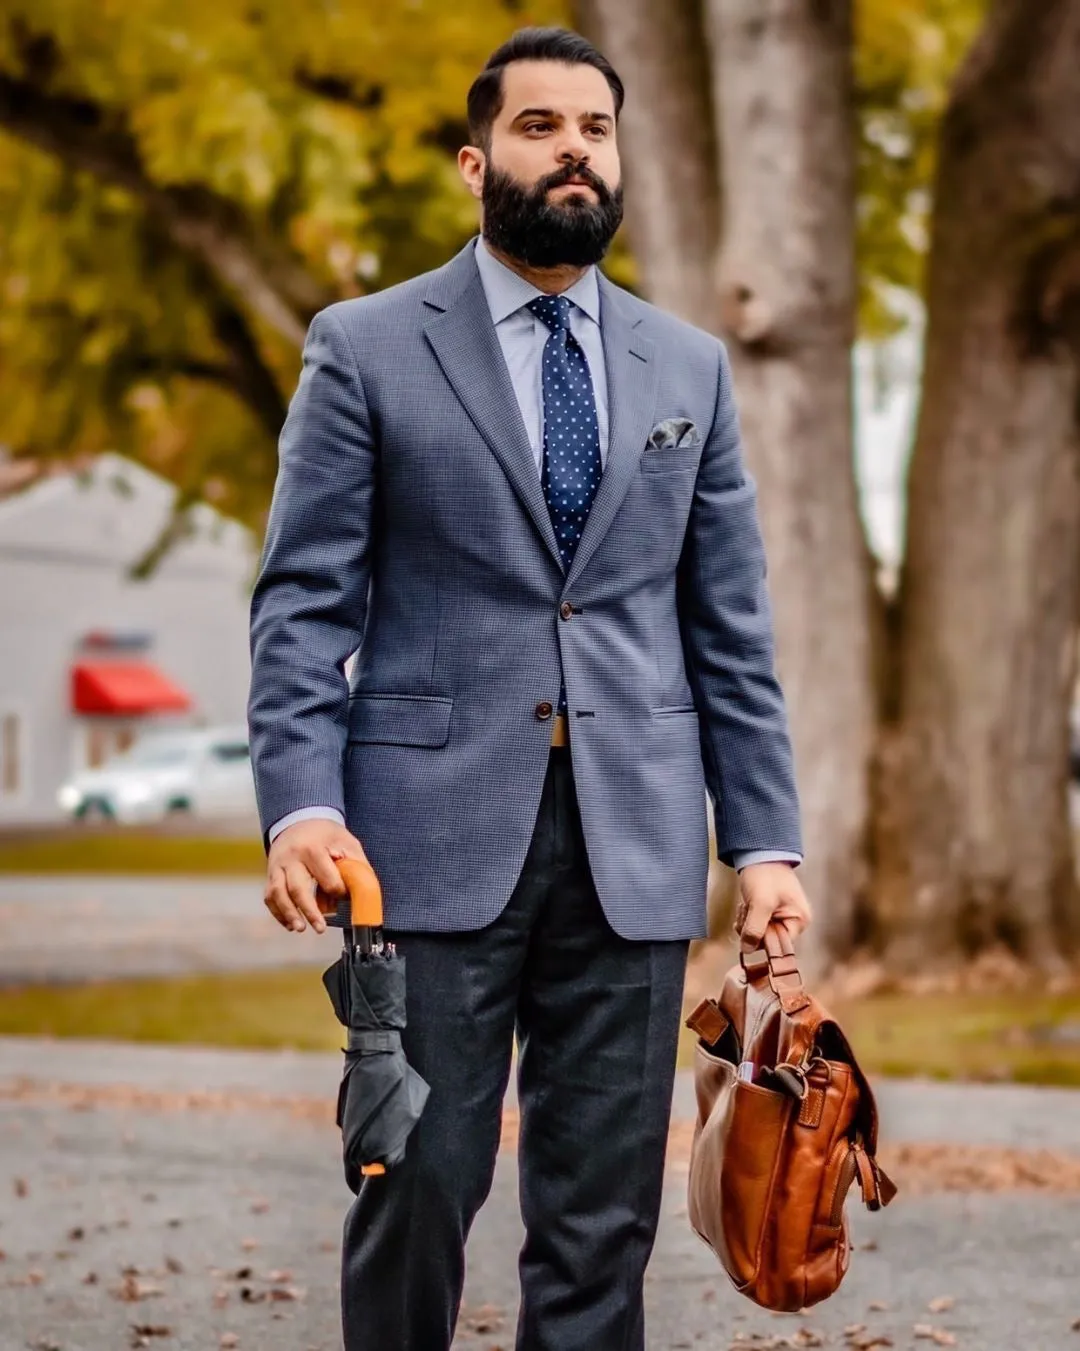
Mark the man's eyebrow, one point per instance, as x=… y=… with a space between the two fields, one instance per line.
x=553 y=116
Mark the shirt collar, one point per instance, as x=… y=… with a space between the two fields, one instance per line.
x=507 y=293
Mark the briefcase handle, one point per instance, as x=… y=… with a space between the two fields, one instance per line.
x=775 y=962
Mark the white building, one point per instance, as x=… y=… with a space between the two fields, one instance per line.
x=89 y=656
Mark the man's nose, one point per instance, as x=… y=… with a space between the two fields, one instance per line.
x=574 y=149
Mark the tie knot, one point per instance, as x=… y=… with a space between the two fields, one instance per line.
x=553 y=311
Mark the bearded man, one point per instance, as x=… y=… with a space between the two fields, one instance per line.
x=517 y=493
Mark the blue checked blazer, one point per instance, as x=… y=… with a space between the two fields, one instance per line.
x=409 y=525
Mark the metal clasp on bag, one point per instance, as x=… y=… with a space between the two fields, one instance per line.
x=793 y=1079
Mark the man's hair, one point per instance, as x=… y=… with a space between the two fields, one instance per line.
x=485 y=100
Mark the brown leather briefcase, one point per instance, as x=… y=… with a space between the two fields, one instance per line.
x=786 y=1123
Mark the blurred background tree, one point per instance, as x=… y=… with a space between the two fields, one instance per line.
x=843 y=165
x=181 y=189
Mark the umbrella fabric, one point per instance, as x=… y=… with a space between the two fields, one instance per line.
x=381 y=1095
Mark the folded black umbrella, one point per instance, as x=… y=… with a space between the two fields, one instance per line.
x=381 y=1095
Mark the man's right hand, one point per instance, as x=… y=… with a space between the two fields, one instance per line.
x=302 y=880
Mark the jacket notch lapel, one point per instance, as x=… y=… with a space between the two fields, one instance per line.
x=467 y=348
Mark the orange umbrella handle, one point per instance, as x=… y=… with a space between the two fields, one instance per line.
x=365 y=894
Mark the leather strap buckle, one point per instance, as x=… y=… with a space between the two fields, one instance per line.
x=776 y=960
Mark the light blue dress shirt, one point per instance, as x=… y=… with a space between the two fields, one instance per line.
x=522 y=337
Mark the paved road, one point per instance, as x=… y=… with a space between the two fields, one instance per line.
x=97 y=927
x=227 y=1219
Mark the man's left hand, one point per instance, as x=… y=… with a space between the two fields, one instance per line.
x=770 y=892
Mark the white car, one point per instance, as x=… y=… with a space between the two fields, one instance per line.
x=205 y=772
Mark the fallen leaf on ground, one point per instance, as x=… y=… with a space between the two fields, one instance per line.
x=877 y=1306
x=260 y=1207
x=287 y=1294
x=229 y=1339
x=21 y=1187
x=942 y=1304
x=32 y=1277
x=131 y=1289
x=249 y=1244
x=484 y=1318
x=938 y=1336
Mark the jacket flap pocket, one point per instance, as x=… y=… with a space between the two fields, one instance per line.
x=400 y=719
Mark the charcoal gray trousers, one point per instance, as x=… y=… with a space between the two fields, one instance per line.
x=596 y=1018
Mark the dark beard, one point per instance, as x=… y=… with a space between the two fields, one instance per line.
x=522 y=223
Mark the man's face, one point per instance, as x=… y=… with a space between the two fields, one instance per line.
x=551 y=181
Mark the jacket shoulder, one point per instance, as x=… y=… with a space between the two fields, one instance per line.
x=394 y=302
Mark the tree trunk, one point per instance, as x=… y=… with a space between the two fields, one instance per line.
x=973 y=839
x=669 y=151
x=783 y=89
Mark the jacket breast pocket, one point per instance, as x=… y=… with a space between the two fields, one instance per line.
x=671 y=461
x=400 y=719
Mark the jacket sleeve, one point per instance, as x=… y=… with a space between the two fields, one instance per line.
x=309 y=606
x=727 y=633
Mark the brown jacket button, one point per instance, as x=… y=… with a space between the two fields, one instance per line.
x=544 y=710
x=566 y=609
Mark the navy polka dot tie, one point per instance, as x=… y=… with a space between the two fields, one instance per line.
x=572 y=464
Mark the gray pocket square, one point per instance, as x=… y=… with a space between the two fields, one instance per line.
x=674 y=433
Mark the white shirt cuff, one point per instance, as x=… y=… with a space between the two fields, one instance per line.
x=304 y=814
x=744 y=858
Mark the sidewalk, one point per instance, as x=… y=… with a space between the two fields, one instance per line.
x=182 y=1199
x=99 y=927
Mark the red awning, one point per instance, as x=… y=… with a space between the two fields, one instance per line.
x=124 y=689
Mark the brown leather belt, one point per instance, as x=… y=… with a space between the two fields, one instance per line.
x=560 y=730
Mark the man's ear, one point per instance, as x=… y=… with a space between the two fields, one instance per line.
x=472 y=163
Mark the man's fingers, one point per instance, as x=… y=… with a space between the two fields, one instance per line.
x=320 y=863
x=278 y=903
x=302 y=894
x=758 y=913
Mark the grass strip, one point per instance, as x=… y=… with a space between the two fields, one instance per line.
x=134 y=852
x=1020 y=1037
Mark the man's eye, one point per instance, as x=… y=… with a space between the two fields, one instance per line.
x=538 y=126
x=600 y=131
